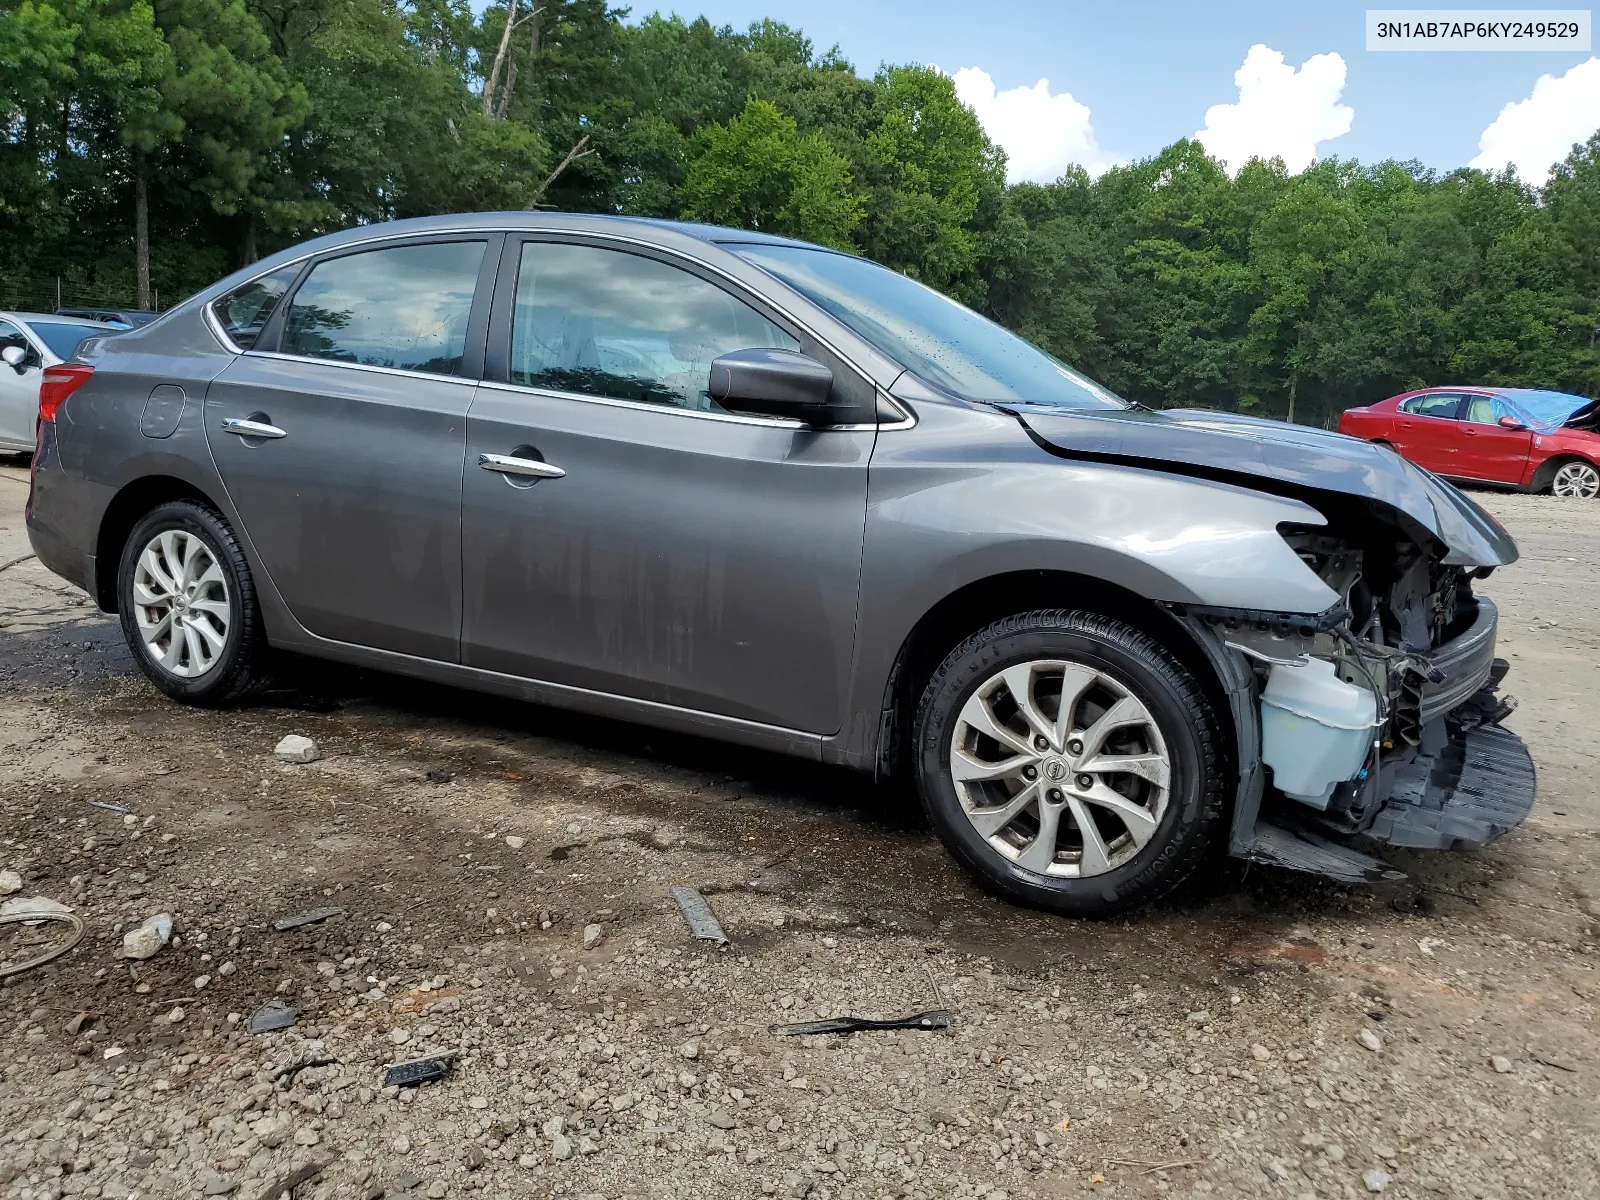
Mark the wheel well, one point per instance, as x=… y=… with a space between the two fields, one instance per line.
x=124 y=511
x=969 y=609
x=1546 y=474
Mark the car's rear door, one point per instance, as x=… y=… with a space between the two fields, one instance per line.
x=669 y=551
x=19 y=389
x=341 y=441
x=1487 y=450
x=1427 y=432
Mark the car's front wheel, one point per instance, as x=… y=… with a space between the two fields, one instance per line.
x=1576 y=480
x=188 y=607
x=1071 y=762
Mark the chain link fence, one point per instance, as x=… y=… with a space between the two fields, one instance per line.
x=48 y=293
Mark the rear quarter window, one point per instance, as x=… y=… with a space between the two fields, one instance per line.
x=244 y=312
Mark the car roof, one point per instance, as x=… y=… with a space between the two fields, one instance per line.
x=535 y=222
x=30 y=318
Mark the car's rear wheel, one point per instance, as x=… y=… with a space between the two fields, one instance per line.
x=188 y=607
x=1071 y=762
x=1576 y=480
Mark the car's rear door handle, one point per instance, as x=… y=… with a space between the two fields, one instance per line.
x=508 y=464
x=251 y=429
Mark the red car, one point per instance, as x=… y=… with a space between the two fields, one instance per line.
x=1534 y=441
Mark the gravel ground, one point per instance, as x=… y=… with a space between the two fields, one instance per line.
x=501 y=873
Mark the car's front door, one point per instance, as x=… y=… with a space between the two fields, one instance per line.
x=342 y=448
x=1489 y=451
x=19 y=389
x=1426 y=430
x=666 y=550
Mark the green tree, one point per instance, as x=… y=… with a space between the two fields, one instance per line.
x=757 y=172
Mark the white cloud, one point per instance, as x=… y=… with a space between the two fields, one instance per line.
x=1282 y=112
x=1537 y=133
x=1042 y=134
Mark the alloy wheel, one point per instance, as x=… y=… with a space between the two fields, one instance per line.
x=1060 y=768
x=1576 y=481
x=181 y=603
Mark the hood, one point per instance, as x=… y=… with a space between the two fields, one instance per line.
x=1290 y=459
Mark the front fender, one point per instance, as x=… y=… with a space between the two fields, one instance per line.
x=947 y=509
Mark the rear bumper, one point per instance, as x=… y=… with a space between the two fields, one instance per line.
x=54 y=548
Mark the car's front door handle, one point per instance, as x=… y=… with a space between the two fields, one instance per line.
x=508 y=464
x=251 y=429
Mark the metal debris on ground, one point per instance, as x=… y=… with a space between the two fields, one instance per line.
x=109 y=807
x=310 y=917
x=419 y=1070
x=702 y=922
x=34 y=917
x=930 y=1021
x=272 y=1016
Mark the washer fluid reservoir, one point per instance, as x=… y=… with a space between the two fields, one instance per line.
x=1316 y=730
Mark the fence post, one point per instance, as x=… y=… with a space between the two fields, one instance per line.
x=58 y=293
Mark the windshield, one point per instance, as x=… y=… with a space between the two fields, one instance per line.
x=63 y=338
x=1547 y=409
x=937 y=339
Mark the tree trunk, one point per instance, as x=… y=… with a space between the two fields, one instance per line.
x=250 y=253
x=1294 y=380
x=141 y=232
x=493 y=77
x=503 y=104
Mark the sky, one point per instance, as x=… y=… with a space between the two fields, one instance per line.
x=1101 y=83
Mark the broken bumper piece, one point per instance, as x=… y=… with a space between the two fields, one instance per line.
x=1479 y=787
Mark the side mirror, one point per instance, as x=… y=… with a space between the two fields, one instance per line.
x=773 y=383
x=1510 y=423
x=14 y=356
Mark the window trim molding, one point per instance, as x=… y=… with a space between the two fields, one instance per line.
x=356 y=366
x=512 y=235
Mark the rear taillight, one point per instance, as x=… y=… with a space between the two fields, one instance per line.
x=60 y=382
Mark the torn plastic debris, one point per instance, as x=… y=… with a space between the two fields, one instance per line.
x=116 y=808
x=419 y=1070
x=930 y=1021
x=702 y=922
x=310 y=917
x=272 y=1016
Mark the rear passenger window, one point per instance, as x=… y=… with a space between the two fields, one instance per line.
x=243 y=312
x=403 y=307
x=609 y=323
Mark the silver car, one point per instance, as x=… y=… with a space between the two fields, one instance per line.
x=753 y=489
x=29 y=344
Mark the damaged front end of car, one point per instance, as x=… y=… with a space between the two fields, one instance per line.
x=1378 y=719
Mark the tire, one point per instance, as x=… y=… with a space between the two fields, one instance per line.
x=1163 y=727
x=1575 y=479
x=219 y=658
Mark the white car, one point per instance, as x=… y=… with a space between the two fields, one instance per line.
x=30 y=342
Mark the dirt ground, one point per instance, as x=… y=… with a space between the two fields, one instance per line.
x=502 y=872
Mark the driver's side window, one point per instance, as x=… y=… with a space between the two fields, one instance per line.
x=610 y=323
x=1485 y=410
x=10 y=335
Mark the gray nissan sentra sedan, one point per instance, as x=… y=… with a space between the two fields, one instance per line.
x=754 y=489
